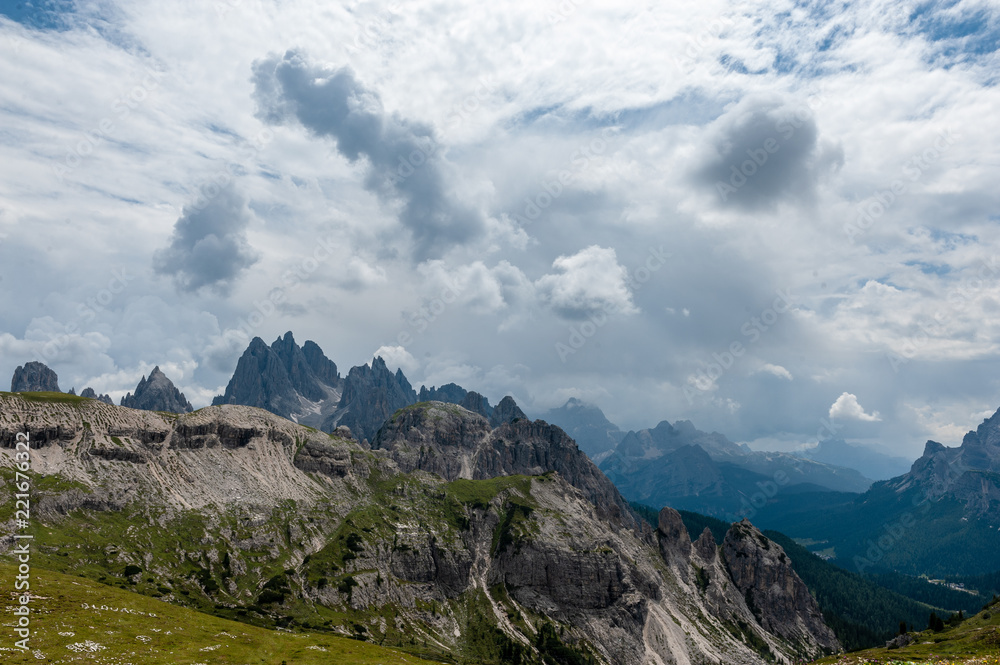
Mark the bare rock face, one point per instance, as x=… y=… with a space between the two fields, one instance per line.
x=775 y=594
x=371 y=394
x=706 y=546
x=34 y=377
x=674 y=538
x=506 y=411
x=157 y=393
x=279 y=377
x=967 y=473
x=476 y=403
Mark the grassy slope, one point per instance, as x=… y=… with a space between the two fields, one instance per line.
x=174 y=635
x=973 y=642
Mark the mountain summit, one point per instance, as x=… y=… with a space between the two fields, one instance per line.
x=157 y=393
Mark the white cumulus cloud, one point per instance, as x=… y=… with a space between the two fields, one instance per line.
x=587 y=282
x=848 y=408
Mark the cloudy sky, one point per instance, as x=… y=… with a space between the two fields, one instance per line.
x=777 y=220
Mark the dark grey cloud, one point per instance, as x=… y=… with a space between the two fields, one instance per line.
x=403 y=156
x=209 y=247
x=761 y=153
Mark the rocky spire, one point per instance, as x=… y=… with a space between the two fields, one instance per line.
x=157 y=393
x=34 y=377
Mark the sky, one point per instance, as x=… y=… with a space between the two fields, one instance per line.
x=776 y=220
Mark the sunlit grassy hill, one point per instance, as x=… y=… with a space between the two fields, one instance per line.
x=75 y=620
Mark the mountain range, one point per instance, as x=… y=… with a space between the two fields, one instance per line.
x=681 y=466
x=303 y=385
x=446 y=536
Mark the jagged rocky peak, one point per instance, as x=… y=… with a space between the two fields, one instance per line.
x=456 y=394
x=279 y=377
x=90 y=393
x=506 y=411
x=371 y=394
x=778 y=598
x=477 y=403
x=324 y=368
x=705 y=546
x=34 y=377
x=157 y=393
x=932 y=448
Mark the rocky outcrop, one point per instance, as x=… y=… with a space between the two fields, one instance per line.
x=34 y=377
x=371 y=394
x=778 y=598
x=90 y=393
x=157 y=393
x=705 y=546
x=453 y=442
x=674 y=539
x=506 y=411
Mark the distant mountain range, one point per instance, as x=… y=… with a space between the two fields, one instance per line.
x=683 y=467
x=940 y=518
x=869 y=462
